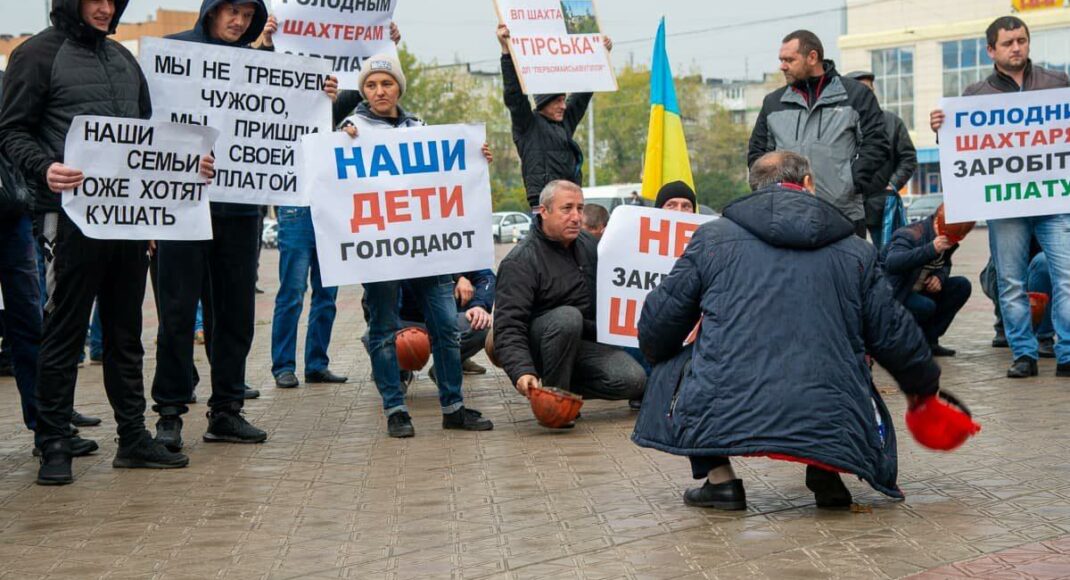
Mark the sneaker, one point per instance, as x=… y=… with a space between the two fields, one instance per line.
x=287 y=380
x=251 y=393
x=467 y=420
x=828 y=488
x=169 y=432
x=1046 y=348
x=228 y=426
x=400 y=425
x=471 y=367
x=324 y=377
x=729 y=495
x=79 y=447
x=1023 y=367
x=938 y=350
x=147 y=453
x=55 y=464
x=81 y=420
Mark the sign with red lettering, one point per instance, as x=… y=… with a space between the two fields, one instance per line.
x=394 y=204
x=556 y=46
x=639 y=248
x=341 y=32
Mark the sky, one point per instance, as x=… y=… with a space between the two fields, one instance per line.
x=719 y=38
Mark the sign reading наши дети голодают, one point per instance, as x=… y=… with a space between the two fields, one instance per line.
x=1006 y=155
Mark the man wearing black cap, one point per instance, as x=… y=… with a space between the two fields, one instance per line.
x=543 y=136
x=897 y=170
x=676 y=196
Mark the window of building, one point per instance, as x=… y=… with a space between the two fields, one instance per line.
x=894 y=72
x=1051 y=49
x=965 y=62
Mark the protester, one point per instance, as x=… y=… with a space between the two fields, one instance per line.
x=1009 y=239
x=544 y=136
x=53 y=77
x=833 y=121
x=595 y=220
x=1039 y=281
x=918 y=262
x=473 y=293
x=383 y=84
x=676 y=196
x=544 y=325
x=810 y=398
x=897 y=170
x=636 y=199
x=229 y=259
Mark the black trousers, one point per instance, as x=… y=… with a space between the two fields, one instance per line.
x=80 y=270
x=702 y=464
x=227 y=265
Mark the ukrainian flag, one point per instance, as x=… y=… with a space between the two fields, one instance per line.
x=666 y=150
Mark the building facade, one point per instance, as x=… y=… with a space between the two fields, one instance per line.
x=921 y=52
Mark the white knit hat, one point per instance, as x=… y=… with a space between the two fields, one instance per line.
x=382 y=63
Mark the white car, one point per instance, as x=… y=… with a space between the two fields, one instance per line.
x=270 y=238
x=510 y=226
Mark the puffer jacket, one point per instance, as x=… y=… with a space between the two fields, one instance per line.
x=68 y=69
x=791 y=302
x=546 y=148
x=905 y=256
x=200 y=34
x=837 y=124
x=1037 y=78
x=536 y=277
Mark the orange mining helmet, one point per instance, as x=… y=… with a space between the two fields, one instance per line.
x=554 y=408
x=414 y=348
x=954 y=232
x=1038 y=304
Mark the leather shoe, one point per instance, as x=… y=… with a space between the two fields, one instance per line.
x=324 y=376
x=1062 y=370
x=1023 y=367
x=828 y=488
x=287 y=380
x=635 y=404
x=251 y=393
x=55 y=464
x=729 y=495
x=938 y=350
x=79 y=447
x=400 y=425
x=80 y=420
x=1000 y=340
x=1046 y=348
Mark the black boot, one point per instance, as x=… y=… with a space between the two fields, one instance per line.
x=1023 y=367
x=144 y=452
x=729 y=495
x=938 y=350
x=226 y=425
x=828 y=488
x=1062 y=370
x=466 y=419
x=55 y=464
x=169 y=432
x=1000 y=340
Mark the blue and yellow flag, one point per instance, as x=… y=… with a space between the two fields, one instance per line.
x=666 y=150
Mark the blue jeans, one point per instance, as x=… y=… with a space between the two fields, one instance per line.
x=22 y=308
x=96 y=336
x=435 y=296
x=297 y=258
x=1040 y=281
x=1009 y=243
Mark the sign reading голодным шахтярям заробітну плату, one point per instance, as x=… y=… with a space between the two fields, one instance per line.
x=639 y=248
x=397 y=203
x=556 y=46
x=341 y=33
x=262 y=103
x=1006 y=155
x=142 y=179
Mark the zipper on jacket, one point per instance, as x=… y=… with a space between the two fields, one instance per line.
x=798 y=122
x=676 y=391
x=820 y=118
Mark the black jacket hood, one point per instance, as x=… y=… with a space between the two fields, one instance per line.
x=786 y=218
x=200 y=30
x=66 y=15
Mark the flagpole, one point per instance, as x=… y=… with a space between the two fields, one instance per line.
x=591 y=181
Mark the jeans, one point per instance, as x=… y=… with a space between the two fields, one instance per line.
x=934 y=312
x=1040 y=281
x=566 y=361
x=1009 y=243
x=435 y=296
x=22 y=308
x=96 y=336
x=297 y=264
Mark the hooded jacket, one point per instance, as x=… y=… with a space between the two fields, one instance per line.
x=791 y=301
x=537 y=276
x=200 y=33
x=837 y=124
x=908 y=252
x=66 y=70
x=546 y=148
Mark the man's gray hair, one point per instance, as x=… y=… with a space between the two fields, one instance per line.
x=546 y=198
x=779 y=167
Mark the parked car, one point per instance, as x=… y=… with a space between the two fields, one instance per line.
x=270 y=237
x=924 y=206
x=612 y=196
x=510 y=226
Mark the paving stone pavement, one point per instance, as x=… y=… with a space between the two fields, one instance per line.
x=331 y=496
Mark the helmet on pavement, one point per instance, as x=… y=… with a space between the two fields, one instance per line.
x=554 y=408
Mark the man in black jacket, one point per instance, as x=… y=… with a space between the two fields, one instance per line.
x=918 y=262
x=544 y=320
x=543 y=136
x=833 y=121
x=897 y=170
x=71 y=69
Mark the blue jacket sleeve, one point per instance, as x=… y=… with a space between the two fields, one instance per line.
x=484 y=282
x=674 y=307
x=904 y=255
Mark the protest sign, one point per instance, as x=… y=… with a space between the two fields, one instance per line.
x=400 y=203
x=341 y=33
x=142 y=179
x=556 y=46
x=262 y=103
x=1006 y=155
x=638 y=249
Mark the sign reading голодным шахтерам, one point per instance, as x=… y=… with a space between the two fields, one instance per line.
x=397 y=203
x=1006 y=155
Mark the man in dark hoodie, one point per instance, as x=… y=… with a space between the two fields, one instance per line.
x=70 y=69
x=779 y=371
x=228 y=294
x=833 y=121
